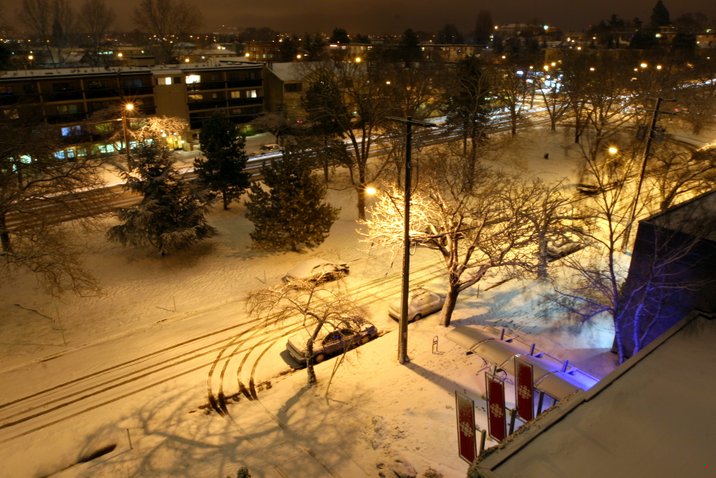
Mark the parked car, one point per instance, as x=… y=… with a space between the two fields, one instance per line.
x=557 y=250
x=421 y=302
x=266 y=148
x=331 y=341
x=317 y=271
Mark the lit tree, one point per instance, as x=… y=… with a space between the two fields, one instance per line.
x=287 y=208
x=171 y=215
x=470 y=224
x=31 y=177
x=222 y=168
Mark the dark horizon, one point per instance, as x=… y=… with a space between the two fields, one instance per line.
x=359 y=16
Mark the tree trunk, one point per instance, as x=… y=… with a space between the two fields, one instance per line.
x=449 y=306
x=4 y=235
x=225 y=200
x=312 y=380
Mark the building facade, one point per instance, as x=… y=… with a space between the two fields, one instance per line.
x=86 y=105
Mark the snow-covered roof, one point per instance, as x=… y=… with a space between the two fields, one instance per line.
x=652 y=416
x=690 y=217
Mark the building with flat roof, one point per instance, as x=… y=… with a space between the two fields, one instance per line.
x=651 y=416
x=74 y=99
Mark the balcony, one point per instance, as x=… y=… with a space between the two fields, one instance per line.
x=66 y=118
x=103 y=93
x=8 y=99
x=243 y=83
x=63 y=95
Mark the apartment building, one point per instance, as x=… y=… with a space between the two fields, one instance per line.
x=86 y=104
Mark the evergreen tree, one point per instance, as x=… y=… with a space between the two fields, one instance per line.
x=340 y=35
x=171 y=215
x=222 y=170
x=409 y=49
x=484 y=27
x=287 y=210
x=449 y=35
x=660 y=15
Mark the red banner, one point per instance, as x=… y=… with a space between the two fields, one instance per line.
x=496 y=417
x=466 y=440
x=524 y=389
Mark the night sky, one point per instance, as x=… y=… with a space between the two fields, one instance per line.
x=394 y=16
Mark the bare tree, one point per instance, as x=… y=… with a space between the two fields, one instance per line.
x=274 y=123
x=469 y=223
x=63 y=27
x=671 y=268
x=555 y=224
x=36 y=16
x=51 y=22
x=466 y=97
x=169 y=22
x=554 y=99
x=306 y=305
x=510 y=89
x=679 y=173
x=96 y=18
x=598 y=282
x=346 y=98
x=37 y=191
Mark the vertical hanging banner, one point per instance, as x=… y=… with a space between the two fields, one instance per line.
x=496 y=417
x=524 y=389
x=466 y=440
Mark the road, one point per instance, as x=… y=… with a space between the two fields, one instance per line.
x=235 y=356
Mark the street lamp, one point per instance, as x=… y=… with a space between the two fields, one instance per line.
x=403 y=322
x=128 y=107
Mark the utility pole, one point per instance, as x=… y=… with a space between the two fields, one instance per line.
x=645 y=157
x=403 y=322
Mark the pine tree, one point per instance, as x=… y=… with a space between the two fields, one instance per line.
x=171 y=215
x=287 y=210
x=660 y=15
x=222 y=170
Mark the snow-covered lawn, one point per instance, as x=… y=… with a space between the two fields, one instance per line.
x=375 y=413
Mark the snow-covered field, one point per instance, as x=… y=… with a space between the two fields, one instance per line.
x=62 y=357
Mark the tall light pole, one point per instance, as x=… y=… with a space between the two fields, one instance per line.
x=645 y=157
x=128 y=107
x=403 y=322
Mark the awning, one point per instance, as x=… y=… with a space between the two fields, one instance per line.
x=548 y=375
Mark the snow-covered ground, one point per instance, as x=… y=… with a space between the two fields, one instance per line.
x=131 y=367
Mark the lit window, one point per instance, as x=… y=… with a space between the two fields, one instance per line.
x=235 y=94
x=165 y=80
x=190 y=79
x=252 y=94
x=70 y=130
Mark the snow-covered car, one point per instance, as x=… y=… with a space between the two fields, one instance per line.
x=421 y=302
x=317 y=271
x=331 y=341
x=557 y=250
x=265 y=148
